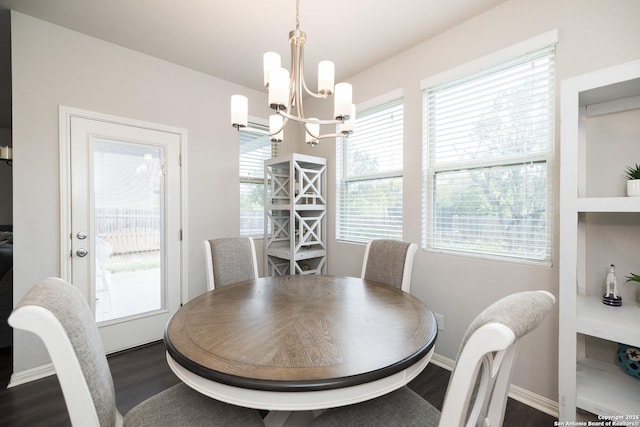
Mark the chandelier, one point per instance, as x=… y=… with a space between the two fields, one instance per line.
x=286 y=91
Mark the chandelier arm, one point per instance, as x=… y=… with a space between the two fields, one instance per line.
x=333 y=135
x=263 y=131
x=291 y=102
x=305 y=120
x=315 y=95
x=292 y=77
x=326 y=135
x=284 y=123
x=314 y=142
x=299 y=77
x=309 y=91
x=303 y=82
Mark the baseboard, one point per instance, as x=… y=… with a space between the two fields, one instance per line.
x=534 y=400
x=442 y=361
x=32 y=374
x=520 y=394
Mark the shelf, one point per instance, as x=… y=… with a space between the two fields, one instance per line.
x=279 y=206
x=617 y=324
x=608 y=204
x=283 y=252
x=604 y=389
x=310 y=207
x=288 y=207
x=302 y=159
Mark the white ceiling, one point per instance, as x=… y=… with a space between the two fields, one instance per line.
x=226 y=38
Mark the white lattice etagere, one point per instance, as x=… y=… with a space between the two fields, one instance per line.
x=295 y=215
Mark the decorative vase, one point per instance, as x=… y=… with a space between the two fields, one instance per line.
x=633 y=187
x=629 y=360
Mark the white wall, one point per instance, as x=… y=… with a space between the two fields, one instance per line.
x=593 y=34
x=54 y=66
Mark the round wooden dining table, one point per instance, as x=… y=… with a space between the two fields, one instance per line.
x=295 y=343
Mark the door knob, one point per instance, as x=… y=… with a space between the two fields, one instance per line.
x=81 y=235
x=82 y=252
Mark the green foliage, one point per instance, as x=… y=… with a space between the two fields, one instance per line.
x=251 y=197
x=362 y=163
x=633 y=278
x=633 y=172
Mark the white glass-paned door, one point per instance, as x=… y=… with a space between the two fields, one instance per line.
x=126 y=248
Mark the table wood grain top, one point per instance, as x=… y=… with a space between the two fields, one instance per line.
x=297 y=333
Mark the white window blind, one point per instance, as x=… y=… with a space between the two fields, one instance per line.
x=369 y=176
x=255 y=148
x=488 y=140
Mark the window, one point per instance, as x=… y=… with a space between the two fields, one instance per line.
x=255 y=148
x=369 y=176
x=488 y=142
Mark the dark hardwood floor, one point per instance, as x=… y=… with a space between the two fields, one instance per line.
x=143 y=372
x=6 y=364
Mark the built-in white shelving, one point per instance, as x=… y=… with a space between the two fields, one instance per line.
x=603 y=389
x=599 y=226
x=608 y=204
x=618 y=324
x=295 y=215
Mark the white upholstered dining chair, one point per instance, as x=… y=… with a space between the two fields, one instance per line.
x=389 y=262
x=479 y=384
x=230 y=260
x=57 y=313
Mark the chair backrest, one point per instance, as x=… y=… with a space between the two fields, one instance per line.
x=479 y=383
x=230 y=260
x=389 y=262
x=56 y=311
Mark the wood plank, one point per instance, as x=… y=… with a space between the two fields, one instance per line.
x=143 y=371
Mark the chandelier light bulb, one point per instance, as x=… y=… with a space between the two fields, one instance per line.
x=279 y=89
x=326 y=73
x=239 y=111
x=342 y=101
x=271 y=61
x=312 y=132
x=276 y=127
x=349 y=126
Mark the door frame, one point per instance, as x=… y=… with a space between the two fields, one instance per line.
x=64 y=115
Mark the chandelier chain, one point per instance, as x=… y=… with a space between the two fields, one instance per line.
x=297 y=14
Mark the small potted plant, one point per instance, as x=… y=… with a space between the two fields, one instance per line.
x=633 y=180
x=632 y=277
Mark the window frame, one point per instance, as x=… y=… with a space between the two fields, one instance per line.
x=430 y=170
x=390 y=100
x=257 y=126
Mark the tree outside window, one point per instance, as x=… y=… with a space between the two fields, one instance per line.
x=488 y=143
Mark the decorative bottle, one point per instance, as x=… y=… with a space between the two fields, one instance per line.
x=612 y=296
